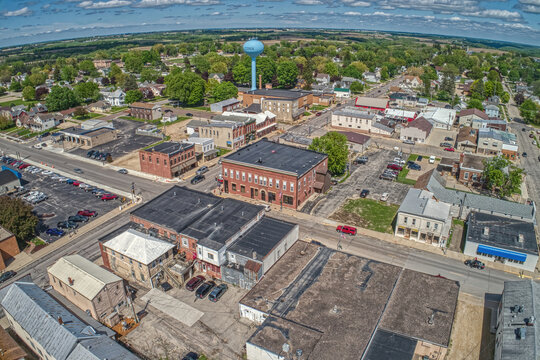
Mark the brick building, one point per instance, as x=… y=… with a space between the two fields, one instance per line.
x=275 y=173
x=471 y=169
x=145 y=111
x=286 y=104
x=168 y=159
x=90 y=287
x=8 y=247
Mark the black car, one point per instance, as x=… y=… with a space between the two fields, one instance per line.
x=191 y=356
x=419 y=158
x=217 y=292
x=476 y=264
x=364 y=193
x=90 y=153
x=189 y=114
x=445 y=144
x=7 y=275
x=197 y=179
x=78 y=218
x=66 y=225
x=96 y=155
x=524 y=154
x=166 y=286
x=448 y=138
x=414 y=166
x=204 y=289
x=78 y=171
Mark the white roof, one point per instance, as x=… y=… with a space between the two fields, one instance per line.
x=259 y=118
x=440 y=115
x=138 y=246
x=399 y=113
x=88 y=278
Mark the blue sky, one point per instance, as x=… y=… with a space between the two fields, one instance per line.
x=33 y=21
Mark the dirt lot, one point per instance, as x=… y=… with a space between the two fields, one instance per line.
x=471 y=338
x=129 y=161
x=177 y=131
x=219 y=334
x=437 y=137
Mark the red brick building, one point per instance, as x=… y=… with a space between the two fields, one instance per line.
x=8 y=247
x=168 y=159
x=275 y=173
x=145 y=111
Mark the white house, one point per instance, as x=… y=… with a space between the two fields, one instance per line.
x=168 y=116
x=492 y=111
x=115 y=98
x=441 y=118
x=342 y=93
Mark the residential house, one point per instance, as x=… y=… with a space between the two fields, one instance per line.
x=274 y=173
x=358 y=143
x=226 y=105
x=492 y=111
x=229 y=131
x=342 y=93
x=99 y=106
x=496 y=238
x=39 y=108
x=517 y=331
x=168 y=159
x=410 y=313
x=422 y=102
x=145 y=111
x=322 y=79
x=51 y=331
x=347 y=81
x=371 y=103
x=136 y=256
x=102 y=63
x=496 y=142
x=40 y=122
x=114 y=98
x=424 y=219
x=467 y=139
x=19 y=112
x=168 y=116
x=372 y=77
x=219 y=77
x=417 y=130
x=403 y=100
x=90 y=287
x=441 y=118
x=496 y=124
x=471 y=168
x=9 y=180
x=287 y=105
x=354 y=119
x=411 y=81
x=8 y=247
x=467 y=116
x=493 y=100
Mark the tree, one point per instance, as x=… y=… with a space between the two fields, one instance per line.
x=68 y=73
x=6 y=122
x=501 y=177
x=29 y=93
x=357 y=87
x=133 y=96
x=87 y=91
x=130 y=83
x=187 y=87
x=241 y=73
x=334 y=145
x=513 y=75
x=384 y=73
x=528 y=110
x=15 y=86
x=148 y=74
x=80 y=112
x=493 y=75
x=114 y=71
x=37 y=79
x=17 y=217
x=287 y=73
x=61 y=98
x=536 y=87
x=352 y=71
x=476 y=73
x=224 y=91
x=41 y=92
x=505 y=97
x=87 y=66
x=3 y=90
x=133 y=62
x=475 y=104
x=519 y=98
x=331 y=69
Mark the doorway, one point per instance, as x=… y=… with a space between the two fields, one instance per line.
x=263 y=196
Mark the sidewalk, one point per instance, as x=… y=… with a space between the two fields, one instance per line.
x=23 y=259
x=386 y=237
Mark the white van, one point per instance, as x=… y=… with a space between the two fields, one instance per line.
x=432 y=159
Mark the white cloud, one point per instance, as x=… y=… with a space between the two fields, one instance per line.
x=355 y=3
x=456 y=18
x=215 y=13
x=103 y=4
x=308 y=2
x=24 y=11
x=353 y=13
x=498 y=14
x=165 y=3
x=530 y=6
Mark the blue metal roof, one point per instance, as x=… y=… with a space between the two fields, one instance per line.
x=507 y=254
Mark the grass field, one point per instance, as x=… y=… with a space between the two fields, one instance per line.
x=369 y=214
x=17 y=102
x=87 y=116
x=402 y=177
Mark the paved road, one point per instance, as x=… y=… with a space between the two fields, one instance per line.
x=92 y=171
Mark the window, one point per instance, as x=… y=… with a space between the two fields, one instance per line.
x=164 y=161
x=405 y=220
x=287 y=200
x=414 y=221
x=225 y=173
x=237 y=175
x=428 y=224
x=185 y=242
x=75 y=293
x=242 y=189
x=249 y=177
x=466 y=175
x=270 y=182
x=149 y=159
x=435 y=226
x=142 y=157
x=256 y=179
x=142 y=277
x=233 y=186
x=131 y=261
x=133 y=274
x=99 y=299
x=243 y=176
x=284 y=185
x=292 y=187
x=153 y=264
x=210 y=256
x=277 y=184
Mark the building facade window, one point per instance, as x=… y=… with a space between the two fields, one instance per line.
x=225 y=172
x=249 y=177
x=292 y=187
x=237 y=175
x=233 y=187
x=256 y=179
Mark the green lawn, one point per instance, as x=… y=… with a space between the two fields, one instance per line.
x=223 y=151
x=200 y=108
x=371 y=214
x=401 y=178
x=413 y=157
x=38 y=241
x=116 y=109
x=318 y=107
x=16 y=102
x=87 y=116
x=306 y=113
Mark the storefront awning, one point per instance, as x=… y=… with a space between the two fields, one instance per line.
x=507 y=254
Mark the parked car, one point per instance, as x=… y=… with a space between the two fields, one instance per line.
x=318 y=114
x=189 y=114
x=432 y=159
x=445 y=145
x=410 y=142
x=90 y=153
x=419 y=158
x=451 y=149
x=204 y=289
x=524 y=154
x=123 y=171
x=106 y=197
x=197 y=179
x=165 y=286
x=55 y=232
x=219 y=179
x=475 y=264
x=76 y=183
x=531 y=135
x=23 y=166
x=346 y=229
x=362 y=160
x=87 y=213
x=217 y=292
x=67 y=225
x=78 y=218
x=78 y=171
x=394 y=167
x=191 y=356
x=194 y=282
x=384 y=196
x=414 y=166
x=7 y=275
x=202 y=170
x=448 y=138
x=399 y=160
x=387 y=177
x=364 y=193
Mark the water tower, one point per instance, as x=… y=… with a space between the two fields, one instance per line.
x=253 y=48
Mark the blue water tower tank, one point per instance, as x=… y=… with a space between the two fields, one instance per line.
x=253 y=48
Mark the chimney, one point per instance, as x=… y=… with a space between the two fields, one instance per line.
x=260 y=81
x=254 y=255
x=60 y=321
x=71 y=281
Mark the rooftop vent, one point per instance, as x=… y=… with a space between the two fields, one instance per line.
x=254 y=255
x=486 y=231
x=530 y=321
x=521 y=333
x=60 y=321
x=430 y=319
x=71 y=281
x=520 y=238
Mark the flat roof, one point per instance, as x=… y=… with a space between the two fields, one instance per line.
x=510 y=234
x=388 y=345
x=234 y=118
x=220 y=223
x=279 y=93
x=337 y=319
x=371 y=102
x=420 y=202
x=176 y=207
x=169 y=148
x=354 y=112
x=274 y=156
x=262 y=238
x=136 y=245
x=473 y=162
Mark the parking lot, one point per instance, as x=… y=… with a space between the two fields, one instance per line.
x=362 y=177
x=63 y=200
x=126 y=142
x=219 y=333
x=437 y=137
